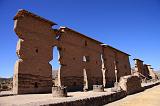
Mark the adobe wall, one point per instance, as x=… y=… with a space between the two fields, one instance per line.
x=139 y=65
x=110 y=56
x=71 y=69
x=80 y=57
x=74 y=47
x=123 y=65
x=33 y=72
x=146 y=71
x=152 y=74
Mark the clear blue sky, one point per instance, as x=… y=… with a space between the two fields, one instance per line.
x=132 y=26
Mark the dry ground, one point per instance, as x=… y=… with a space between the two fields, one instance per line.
x=40 y=99
x=150 y=97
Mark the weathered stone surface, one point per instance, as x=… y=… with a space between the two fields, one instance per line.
x=131 y=84
x=138 y=65
x=58 y=91
x=33 y=73
x=74 y=48
x=80 y=57
x=98 y=88
x=116 y=87
x=151 y=73
x=144 y=71
x=110 y=56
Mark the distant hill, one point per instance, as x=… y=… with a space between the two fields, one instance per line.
x=6 y=84
x=5 y=79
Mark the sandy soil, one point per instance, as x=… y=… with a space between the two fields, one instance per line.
x=40 y=99
x=150 y=97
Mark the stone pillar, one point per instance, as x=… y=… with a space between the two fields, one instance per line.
x=32 y=71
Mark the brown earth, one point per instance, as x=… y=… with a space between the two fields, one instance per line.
x=150 y=97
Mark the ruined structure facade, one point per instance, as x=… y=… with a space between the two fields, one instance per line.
x=33 y=72
x=138 y=65
x=139 y=68
x=84 y=62
x=144 y=71
x=151 y=72
x=79 y=53
x=114 y=59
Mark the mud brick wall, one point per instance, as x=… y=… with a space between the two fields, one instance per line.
x=33 y=72
x=139 y=66
x=110 y=56
x=146 y=73
x=74 y=48
x=80 y=57
x=123 y=65
x=151 y=72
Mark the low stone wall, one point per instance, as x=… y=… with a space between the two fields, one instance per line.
x=100 y=100
x=93 y=101
x=150 y=86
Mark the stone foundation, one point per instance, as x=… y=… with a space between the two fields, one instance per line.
x=58 y=91
x=32 y=84
x=98 y=88
x=72 y=83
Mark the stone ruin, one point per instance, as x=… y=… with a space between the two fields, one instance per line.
x=84 y=61
x=58 y=91
x=144 y=71
x=131 y=84
x=98 y=88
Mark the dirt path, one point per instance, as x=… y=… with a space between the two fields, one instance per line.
x=150 y=97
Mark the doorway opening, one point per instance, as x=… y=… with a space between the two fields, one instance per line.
x=55 y=66
x=85 y=83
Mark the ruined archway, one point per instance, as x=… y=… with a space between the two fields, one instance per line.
x=35 y=49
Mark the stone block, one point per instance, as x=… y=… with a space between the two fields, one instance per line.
x=98 y=88
x=131 y=84
x=116 y=87
x=58 y=91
